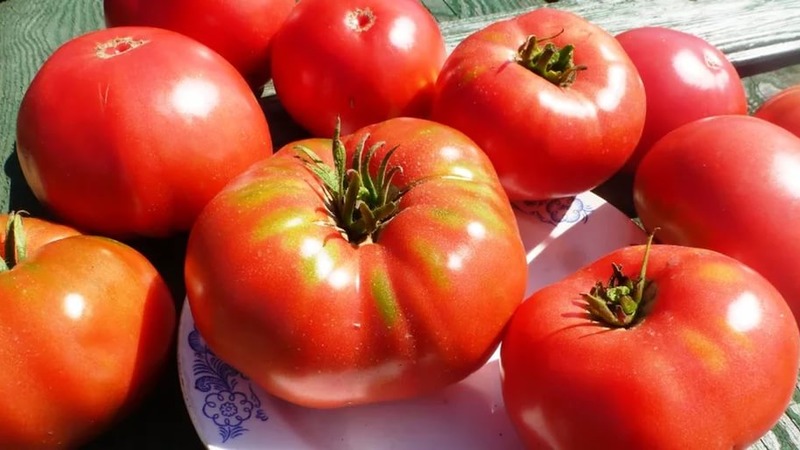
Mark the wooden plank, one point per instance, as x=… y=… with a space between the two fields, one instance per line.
x=30 y=31
x=748 y=30
x=473 y=8
x=440 y=9
x=756 y=35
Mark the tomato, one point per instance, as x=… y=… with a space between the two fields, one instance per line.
x=730 y=184
x=363 y=61
x=704 y=354
x=86 y=326
x=686 y=79
x=783 y=109
x=551 y=98
x=154 y=125
x=240 y=31
x=392 y=283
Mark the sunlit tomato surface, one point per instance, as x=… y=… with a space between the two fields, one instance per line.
x=130 y=131
x=364 y=61
x=709 y=359
x=86 y=325
x=685 y=78
x=241 y=31
x=554 y=121
x=730 y=184
x=783 y=109
x=327 y=309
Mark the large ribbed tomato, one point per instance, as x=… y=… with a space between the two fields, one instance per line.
x=390 y=281
x=698 y=351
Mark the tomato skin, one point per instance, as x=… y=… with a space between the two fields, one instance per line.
x=86 y=326
x=544 y=140
x=149 y=136
x=783 y=109
x=685 y=80
x=700 y=184
x=323 y=323
x=364 y=61
x=713 y=364
x=239 y=31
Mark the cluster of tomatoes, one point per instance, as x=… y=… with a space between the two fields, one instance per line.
x=379 y=259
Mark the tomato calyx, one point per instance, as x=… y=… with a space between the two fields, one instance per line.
x=554 y=64
x=359 y=203
x=16 y=246
x=623 y=302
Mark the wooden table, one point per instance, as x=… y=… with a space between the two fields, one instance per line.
x=761 y=37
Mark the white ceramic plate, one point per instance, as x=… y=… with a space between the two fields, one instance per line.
x=229 y=412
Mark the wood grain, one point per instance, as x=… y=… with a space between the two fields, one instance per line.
x=757 y=35
x=30 y=31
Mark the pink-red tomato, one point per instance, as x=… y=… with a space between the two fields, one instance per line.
x=131 y=130
x=241 y=31
x=555 y=120
x=363 y=61
x=326 y=308
x=685 y=78
x=86 y=326
x=708 y=360
x=730 y=184
x=783 y=109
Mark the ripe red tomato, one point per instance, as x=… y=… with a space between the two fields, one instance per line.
x=240 y=31
x=363 y=61
x=709 y=358
x=554 y=119
x=86 y=325
x=783 y=109
x=730 y=184
x=130 y=131
x=324 y=303
x=685 y=78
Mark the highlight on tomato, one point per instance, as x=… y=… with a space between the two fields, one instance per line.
x=685 y=78
x=356 y=61
x=86 y=327
x=730 y=184
x=553 y=99
x=129 y=131
x=371 y=267
x=651 y=346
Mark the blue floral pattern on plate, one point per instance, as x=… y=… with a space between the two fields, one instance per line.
x=557 y=210
x=230 y=400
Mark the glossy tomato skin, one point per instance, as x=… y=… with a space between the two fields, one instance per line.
x=155 y=126
x=685 y=79
x=545 y=141
x=712 y=365
x=730 y=184
x=364 y=61
x=240 y=31
x=86 y=325
x=324 y=323
x=783 y=109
